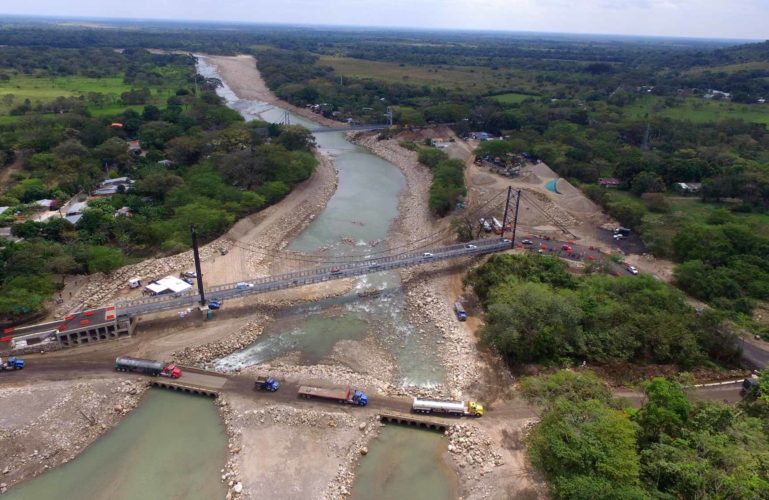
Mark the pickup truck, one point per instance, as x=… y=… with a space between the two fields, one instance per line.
x=266 y=384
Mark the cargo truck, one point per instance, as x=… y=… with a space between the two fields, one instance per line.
x=349 y=395
x=13 y=363
x=147 y=367
x=456 y=408
x=266 y=384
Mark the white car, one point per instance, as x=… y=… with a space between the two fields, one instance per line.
x=428 y=255
x=471 y=246
x=632 y=269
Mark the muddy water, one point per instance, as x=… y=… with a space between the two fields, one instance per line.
x=172 y=447
x=402 y=465
x=355 y=222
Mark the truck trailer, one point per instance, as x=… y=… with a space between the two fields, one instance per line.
x=147 y=367
x=349 y=395
x=13 y=363
x=456 y=408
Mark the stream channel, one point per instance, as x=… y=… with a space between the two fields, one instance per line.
x=403 y=463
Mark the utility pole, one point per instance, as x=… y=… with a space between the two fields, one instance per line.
x=515 y=218
x=198 y=272
x=507 y=206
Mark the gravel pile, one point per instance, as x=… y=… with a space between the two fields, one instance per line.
x=472 y=449
x=201 y=355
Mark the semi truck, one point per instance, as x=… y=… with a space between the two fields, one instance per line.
x=147 y=367
x=456 y=408
x=266 y=384
x=349 y=395
x=13 y=363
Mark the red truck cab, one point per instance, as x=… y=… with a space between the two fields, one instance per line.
x=172 y=371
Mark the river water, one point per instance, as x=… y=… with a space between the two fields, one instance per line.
x=355 y=222
x=403 y=463
x=171 y=447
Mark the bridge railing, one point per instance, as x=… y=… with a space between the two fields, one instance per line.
x=311 y=276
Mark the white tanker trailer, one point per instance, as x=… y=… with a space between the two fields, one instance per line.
x=457 y=408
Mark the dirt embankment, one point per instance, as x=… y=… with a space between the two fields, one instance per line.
x=48 y=423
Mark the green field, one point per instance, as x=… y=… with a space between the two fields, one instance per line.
x=511 y=98
x=698 y=110
x=42 y=89
x=470 y=79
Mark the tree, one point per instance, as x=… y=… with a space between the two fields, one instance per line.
x=665 y=411
x=587 y=450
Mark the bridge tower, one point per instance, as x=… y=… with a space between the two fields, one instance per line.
x=389 y=115
x=286 y=118
x=198 y=272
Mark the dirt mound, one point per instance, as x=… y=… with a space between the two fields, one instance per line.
x=543 y=171
x=529 y=177
x=482 y=180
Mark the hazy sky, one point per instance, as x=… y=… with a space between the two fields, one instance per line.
x=696 y=18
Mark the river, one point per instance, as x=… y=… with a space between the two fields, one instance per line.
x=403 y=463
x=356 y=221
x=172 y=446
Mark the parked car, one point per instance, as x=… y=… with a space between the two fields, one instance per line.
x=189 y=274
x=632 y=269
x=214 y=304
x=336 y=270
x=527 y=242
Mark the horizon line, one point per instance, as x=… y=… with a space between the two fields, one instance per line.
x=361 y=27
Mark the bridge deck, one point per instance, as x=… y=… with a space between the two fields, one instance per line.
x=432 y=423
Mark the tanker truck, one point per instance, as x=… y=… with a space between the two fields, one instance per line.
x=147 y=367
x=349 y=395
x=456 y=408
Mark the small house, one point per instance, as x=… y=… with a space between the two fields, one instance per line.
x=609 y=182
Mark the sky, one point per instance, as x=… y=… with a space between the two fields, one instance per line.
x=747 y=19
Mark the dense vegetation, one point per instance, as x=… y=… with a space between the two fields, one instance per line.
x=589 y=446
x=448 y=184
x=195 y=161
x=537 y=312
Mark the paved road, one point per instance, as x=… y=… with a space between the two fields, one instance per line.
x=754 y=356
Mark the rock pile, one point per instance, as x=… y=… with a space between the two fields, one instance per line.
x=200 y=355
x=460 y=358
x=231 y=472
x=472 y=449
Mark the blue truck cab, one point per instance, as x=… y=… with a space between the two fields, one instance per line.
x=360 y=398
x=267 y=384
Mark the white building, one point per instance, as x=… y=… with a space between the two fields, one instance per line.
x=169 y=284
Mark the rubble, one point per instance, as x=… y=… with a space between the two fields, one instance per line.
x=203 y=354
